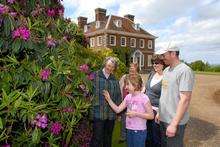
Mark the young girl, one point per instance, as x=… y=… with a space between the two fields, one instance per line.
x=139 y=109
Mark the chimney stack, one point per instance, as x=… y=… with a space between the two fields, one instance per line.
x=100 y=14
x=130 y=17
x=82 y=21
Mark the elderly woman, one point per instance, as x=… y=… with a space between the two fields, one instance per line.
x=103 y=116
x=153 y=91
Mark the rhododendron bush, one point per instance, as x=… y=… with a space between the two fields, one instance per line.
x=45 y=76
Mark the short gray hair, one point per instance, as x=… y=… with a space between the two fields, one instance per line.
x=113 y=60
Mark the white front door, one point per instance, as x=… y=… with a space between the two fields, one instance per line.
x=138 y=57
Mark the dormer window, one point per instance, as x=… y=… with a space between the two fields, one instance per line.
x=136 y=26
x=85 y=28
x=118 y=23
x=97 y=24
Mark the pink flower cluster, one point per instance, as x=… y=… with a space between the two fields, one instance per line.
x=56 y=128
x=3 y=9
x=91 y=76
x=41 y=121
x=51 y=42
x=84 y=68
x=45 y=73
x=55 y=11
x=11 y=1
x=21 y=32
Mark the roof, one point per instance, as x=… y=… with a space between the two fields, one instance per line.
x=109 y=26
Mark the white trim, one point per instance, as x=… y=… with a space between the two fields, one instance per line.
x=107 y=24
x=85 y=28
x=118 y=23
x=92 y=42
x=114 y=44
x=140 y=43
x=134 y=42
x=97 y=24
x=124 y=42
x=150 y=44
x=141 y=57
x=99 y=40
x=121 y=33
x=149 y=57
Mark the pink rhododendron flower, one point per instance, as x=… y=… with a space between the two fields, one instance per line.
x=51 y=42
x=45 y=73
x=84 y=68
x=21 y=32
x=91 y=76
x=4 y=9
x=56 y=128
x=41 y=121
x=51 y=12
x=11 y=1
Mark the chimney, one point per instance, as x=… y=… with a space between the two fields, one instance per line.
x=82 y=21
x=130 y=17
x=100 y=14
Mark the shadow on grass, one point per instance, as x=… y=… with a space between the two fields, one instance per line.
x=198 y=131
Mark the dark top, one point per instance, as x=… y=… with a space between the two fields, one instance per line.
x=153 y=92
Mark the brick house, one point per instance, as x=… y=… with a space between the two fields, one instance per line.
x=114 y=31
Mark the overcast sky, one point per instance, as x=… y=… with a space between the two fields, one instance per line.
x=193 y=25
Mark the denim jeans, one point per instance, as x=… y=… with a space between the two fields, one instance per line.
x=136 y=138
x=102 y=133
x=176 y=141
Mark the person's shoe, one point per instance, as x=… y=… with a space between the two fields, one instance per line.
x=121 y=140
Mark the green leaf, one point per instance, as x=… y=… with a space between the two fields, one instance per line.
x=1 y=42
x=8 y=25
x=1 y=125
x=36 y=136
x=16 y=45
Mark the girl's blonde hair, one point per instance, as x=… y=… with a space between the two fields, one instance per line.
x=136 y=81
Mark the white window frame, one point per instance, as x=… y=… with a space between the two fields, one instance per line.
x=118 y=23
x=97 y=24
x=92 y=42
x=149 y=57
x=99 y=41
x=134 y=42
x=124 y=41
x=112 y=44
x=142 y=40
x=150 y=44
x=85 y=28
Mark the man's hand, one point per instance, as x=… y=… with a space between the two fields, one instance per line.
x=171 y=130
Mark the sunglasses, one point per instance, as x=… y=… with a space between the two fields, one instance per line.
x=156 y=63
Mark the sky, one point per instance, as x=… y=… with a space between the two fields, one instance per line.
x=192 y=25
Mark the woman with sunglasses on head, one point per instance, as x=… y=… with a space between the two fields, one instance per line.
x=153 y=91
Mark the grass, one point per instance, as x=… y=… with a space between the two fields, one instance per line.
x=207 y=73
x=116 y=136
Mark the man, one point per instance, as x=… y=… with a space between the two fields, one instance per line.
x=103 y=116
x=177 y=85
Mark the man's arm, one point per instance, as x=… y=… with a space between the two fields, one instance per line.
x=182 y=107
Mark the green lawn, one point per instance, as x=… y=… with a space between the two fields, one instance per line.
x=116 y=136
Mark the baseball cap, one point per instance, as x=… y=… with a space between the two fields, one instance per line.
x=164 y=50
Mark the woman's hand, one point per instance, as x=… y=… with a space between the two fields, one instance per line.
x=131 y=114
x=106 y=95
x=157 y=118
